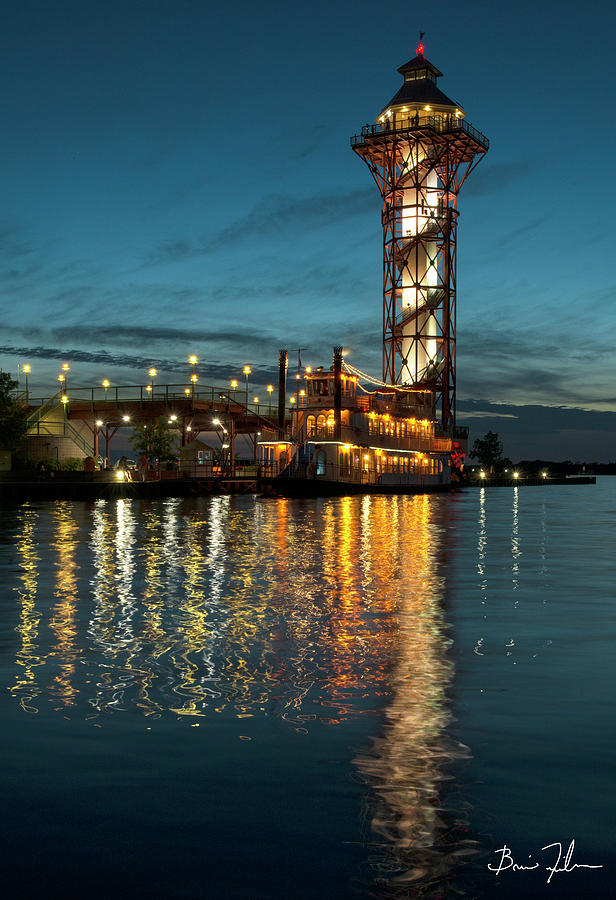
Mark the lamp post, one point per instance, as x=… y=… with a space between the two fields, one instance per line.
x=66 y=369
x=270 y=391
x=292 y=402
x=233 y=384
x=246 y=370
x=193 y=360
x=105 y=383
x=152 y=373
x=221 y=433
x=26 y=370
x=97 y=425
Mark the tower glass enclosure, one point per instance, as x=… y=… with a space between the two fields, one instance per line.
x=420 y=151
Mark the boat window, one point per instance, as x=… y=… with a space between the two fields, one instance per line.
x=321 y=462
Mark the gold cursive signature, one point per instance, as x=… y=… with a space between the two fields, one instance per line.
x=565 y=864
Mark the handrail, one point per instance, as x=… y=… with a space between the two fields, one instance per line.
x=46 y=407
x=167 y=393
x=441 y=124
x=62 y=429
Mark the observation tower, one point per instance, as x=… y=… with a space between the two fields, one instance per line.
x=420 y=151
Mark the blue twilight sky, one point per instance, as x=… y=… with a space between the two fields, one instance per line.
x=177 y=178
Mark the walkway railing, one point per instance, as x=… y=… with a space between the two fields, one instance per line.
x=166 y=393
x=440 y=124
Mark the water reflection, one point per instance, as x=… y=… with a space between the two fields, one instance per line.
x=25 y=688
x=516 y=552
x=409 y=763
x=313 y=613
x=63 y=612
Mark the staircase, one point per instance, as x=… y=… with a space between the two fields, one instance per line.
x=41 y=422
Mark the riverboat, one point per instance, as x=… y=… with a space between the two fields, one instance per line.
x=341 y=436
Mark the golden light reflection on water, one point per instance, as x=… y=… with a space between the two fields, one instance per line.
x=62 y=615
x=192 y=609
x=407 y=765
x=25 y=688
x=313 y=613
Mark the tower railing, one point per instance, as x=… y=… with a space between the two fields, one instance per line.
x=440 y=124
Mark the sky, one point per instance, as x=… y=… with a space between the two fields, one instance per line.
x=177 y=178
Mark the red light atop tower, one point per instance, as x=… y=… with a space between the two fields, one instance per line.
x=420 y=50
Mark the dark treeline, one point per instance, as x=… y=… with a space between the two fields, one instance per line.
x=567 y=467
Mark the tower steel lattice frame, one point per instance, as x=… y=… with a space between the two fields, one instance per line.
x=429 y=159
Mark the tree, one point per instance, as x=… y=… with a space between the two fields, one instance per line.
x=488 y=450
x=155 y=439
x=13 y=415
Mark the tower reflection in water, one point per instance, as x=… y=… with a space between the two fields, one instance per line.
x=421 y=840
x=316 y=613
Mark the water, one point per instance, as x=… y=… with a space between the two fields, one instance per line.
x=236 y=697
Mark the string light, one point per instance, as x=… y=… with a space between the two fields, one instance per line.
x=369 y=378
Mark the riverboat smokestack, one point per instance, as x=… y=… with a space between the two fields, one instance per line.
x=337 y=390
x=282 y=389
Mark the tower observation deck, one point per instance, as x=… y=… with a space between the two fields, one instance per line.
x=420 y=151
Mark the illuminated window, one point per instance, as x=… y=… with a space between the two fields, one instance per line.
x=419 y=75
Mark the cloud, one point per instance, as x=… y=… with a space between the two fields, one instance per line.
x=275 y=215
x=510 y=237
x=139 y=335
x=485 y=414
x=492 y=178
x=527 y=362
x=535 y=431
x=213 y=370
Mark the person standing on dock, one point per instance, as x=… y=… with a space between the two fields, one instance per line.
x=143 y=466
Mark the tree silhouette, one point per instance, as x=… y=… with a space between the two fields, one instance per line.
x=488 y=450
x=155 y=439
x=13 y=415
